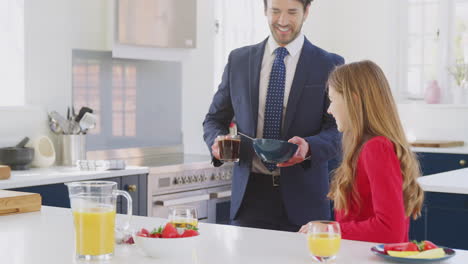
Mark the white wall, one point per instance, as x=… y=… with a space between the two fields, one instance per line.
x=197 y=82
x=52 y=29
x=358 y=30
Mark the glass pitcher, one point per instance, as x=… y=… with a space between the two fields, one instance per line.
x=93 y=205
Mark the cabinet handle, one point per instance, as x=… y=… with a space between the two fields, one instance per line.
x=462 y=163
x=132 y=188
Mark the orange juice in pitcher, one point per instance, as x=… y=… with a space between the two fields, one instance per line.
x=95 y=231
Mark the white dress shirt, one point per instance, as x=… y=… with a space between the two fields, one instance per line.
x=294 y=48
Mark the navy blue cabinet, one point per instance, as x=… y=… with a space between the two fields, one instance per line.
x=444 y=215
x=136 y=185
x=432 y=163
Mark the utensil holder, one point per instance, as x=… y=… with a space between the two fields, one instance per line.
x=73 y=148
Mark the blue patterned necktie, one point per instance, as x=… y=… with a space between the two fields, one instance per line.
x=274 y=100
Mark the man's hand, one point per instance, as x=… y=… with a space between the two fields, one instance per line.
x=215 y=150
x=300 y=154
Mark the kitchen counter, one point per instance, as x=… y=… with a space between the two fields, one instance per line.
x=36 y=176
x=47 y=237
x=451 y=150
x=138 y=165
x=455 y=181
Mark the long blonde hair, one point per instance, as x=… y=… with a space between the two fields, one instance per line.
x=372 y=112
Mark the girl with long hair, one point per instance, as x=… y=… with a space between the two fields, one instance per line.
x=374 y=190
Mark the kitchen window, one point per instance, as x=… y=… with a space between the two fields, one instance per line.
x=435 y=37
x=12 y=53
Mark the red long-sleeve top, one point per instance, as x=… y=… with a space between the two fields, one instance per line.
x=381 y=216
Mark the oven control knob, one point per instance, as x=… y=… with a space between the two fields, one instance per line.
x=175 y=181
x=217 y=176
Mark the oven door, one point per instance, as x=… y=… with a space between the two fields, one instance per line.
x=199 y=199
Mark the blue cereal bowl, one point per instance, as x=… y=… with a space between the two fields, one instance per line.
x=274 y=151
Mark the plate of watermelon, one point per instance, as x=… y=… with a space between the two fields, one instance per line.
x=413 y=252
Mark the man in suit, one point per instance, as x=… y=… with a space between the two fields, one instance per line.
x=276 y=89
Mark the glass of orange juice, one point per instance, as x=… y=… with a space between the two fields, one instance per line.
x=323 y=240
x=93 y=205
x=183 y=217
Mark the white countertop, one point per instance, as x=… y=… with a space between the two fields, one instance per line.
x=47 y=237
x=455 y=181
x=35 y=176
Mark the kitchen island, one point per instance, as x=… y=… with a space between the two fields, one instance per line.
x=445 y=211
x=455 y=181
x=47 y=237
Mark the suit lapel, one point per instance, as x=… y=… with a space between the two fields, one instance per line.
x=255 y=66
x=300 y=79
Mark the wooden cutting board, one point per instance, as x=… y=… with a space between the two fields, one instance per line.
x=437 y=143
x=12 y=202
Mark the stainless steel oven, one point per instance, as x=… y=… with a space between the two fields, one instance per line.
x=197 y=184
x=176 y=178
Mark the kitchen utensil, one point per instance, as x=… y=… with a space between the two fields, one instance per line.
x=44 y=152
x=54 y=126
x=87 y=122
x=5 y=172
x=437 y=143
x=12 y=202
x=73 y=127
x=242 y=134
x=379 y=251
x=273 y=150
x=93 y=204
x=22 y=143
x=82 y=112
x=18 y=158
x=72 y=148
x=61 y=121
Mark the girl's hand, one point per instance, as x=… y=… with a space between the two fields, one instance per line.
x=304 y=229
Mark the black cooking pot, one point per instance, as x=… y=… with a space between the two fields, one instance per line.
x=19 y=157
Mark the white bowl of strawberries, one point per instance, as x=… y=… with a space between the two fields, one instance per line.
x=167 y=242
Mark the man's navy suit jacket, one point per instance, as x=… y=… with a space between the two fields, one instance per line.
x=303 y=186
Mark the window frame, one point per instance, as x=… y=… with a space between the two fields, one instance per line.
x=445 y=55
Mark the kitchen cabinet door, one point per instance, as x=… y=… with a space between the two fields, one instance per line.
x=447 y=217
x=418 y=227
x=137 y=187
x=432 y=163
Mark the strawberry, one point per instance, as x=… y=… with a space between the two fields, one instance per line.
x=426 y=245
x=130 y=241
x=169 y=231
x=190 y=233
x=144 y=232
